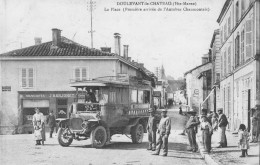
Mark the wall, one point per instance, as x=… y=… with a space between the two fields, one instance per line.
x=50 y=75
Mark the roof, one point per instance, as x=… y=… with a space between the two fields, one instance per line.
x=66 y=48
x=223 y=10
x=174 y=85
x=196 y=68
x=216 y=32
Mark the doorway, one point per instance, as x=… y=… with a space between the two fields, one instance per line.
x=248 y=109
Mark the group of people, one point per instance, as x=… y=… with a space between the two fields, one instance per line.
x=39 y=126
x=217 y=122
x=162 y=131
x=208 y=124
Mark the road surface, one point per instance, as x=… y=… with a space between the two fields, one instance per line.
x=21 y=149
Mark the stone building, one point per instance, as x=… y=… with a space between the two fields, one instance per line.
x=239 y=51
x=198 y=85
x=216 y=69
x=39 y=76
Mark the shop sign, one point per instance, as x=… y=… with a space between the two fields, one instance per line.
x=6 y=88
x=52 y=95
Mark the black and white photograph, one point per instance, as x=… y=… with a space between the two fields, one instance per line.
x=129 y=82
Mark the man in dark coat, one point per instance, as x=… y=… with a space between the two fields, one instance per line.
x=52 y=122
x=151 y=129
x=163 y=131
x=255 y=124
x=191 y=129
x=222 y=124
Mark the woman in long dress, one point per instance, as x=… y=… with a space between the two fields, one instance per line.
x=39 y=127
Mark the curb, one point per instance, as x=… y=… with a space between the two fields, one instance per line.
x=204 y=155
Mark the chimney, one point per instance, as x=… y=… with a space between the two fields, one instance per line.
x=204 y=59
x=117 y=43
x=56 y=37
x=129 y=59
x=141 y=65
x=126 y=51
x=38 y=40
x=106 y=49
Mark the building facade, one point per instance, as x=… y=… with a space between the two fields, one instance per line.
x=216 y=70
x=39 y=76
x=198 y=86
x=239 y=51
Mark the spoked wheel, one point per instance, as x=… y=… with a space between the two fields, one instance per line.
x=64 y=137
x=137 y=133
x=98 y=137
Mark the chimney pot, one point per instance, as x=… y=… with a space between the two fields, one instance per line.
x=56 y=37
x=38 y=40
x=117 y=43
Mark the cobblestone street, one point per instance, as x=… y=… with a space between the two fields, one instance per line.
x=20 y=149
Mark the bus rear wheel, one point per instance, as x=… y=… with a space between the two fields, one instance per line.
x=137 y=134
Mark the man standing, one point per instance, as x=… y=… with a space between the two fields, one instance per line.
x=255 y=124
x=191 y=129
x=151 y=129
x=52 y=123
x=163 y=131
x=222 y=124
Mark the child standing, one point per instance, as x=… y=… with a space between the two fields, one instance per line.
x=206 y=133
x=243 y=139
x=37 y=133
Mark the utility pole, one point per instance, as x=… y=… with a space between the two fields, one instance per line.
x=91 y=7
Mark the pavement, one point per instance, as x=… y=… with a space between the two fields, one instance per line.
x=229 y=155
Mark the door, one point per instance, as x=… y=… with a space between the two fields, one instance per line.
x=62 y=105
x=249 y=107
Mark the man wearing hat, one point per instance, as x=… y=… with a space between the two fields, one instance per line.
x=151 y=129
x=191 y=129
x=164 y=129
x=222 y=124
x=52 y=122
x=255 y=124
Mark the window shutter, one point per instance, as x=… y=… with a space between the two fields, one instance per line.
x=77 y=74
x=242 y=46
x=225 y=63
x=248 y=39
x=229 y=59
x=24 y=77
x=229 y=24
x=30 y=77
x=84 y=74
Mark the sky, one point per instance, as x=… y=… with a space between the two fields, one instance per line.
x=175 y=39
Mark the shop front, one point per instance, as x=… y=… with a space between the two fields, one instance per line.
x=46 y=101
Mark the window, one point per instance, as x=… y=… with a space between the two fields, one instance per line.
x=242 y=46
x=237 y=12
x=140 y=97
x=242 y=7
x=229 y=24
x=229 y=59
x=27 y=77
x=134 y=96
x=237 y=51
x=249 y=39
x=80 y=73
